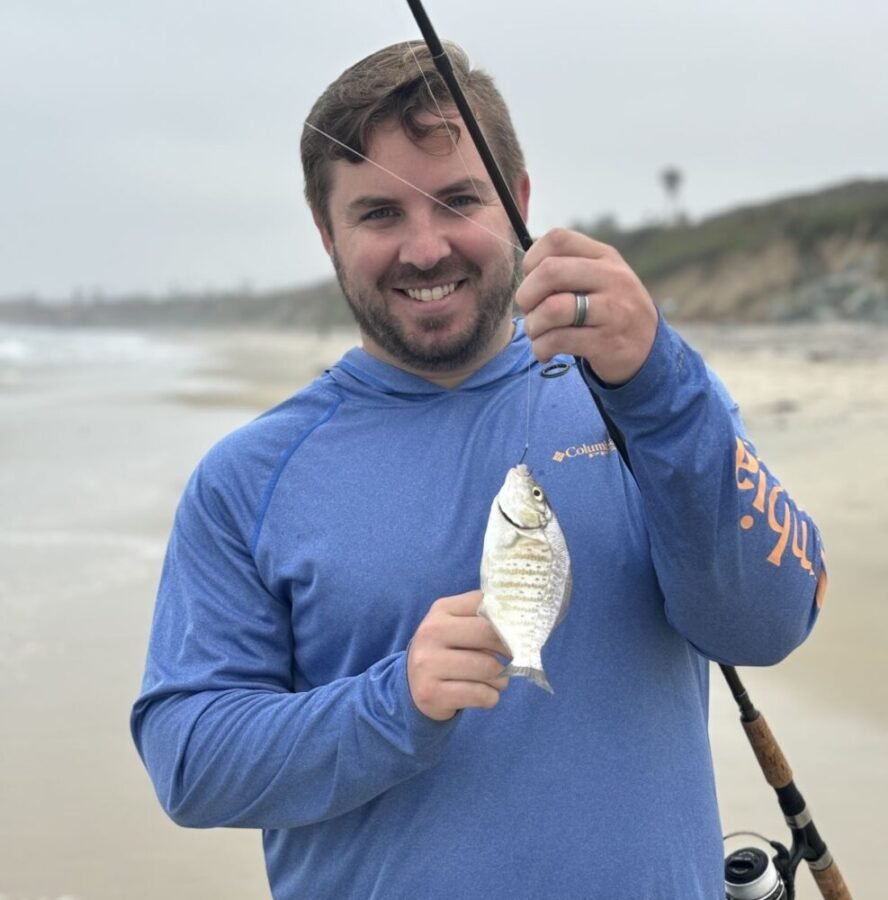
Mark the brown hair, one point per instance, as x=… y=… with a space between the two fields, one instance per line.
x=389 y=86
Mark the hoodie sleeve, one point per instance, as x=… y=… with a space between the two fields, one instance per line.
x=224 y=736
x=740 y=564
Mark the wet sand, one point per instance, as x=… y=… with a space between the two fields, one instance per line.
x=93 y=457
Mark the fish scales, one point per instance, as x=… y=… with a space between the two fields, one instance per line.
x=525 y=573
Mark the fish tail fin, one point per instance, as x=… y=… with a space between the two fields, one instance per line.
x=534 y=674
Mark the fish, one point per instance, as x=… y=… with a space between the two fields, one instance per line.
x=525 y=573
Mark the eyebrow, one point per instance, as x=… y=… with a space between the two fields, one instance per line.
x=462 y=186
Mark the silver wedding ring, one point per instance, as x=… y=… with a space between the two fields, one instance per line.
x=582 y=309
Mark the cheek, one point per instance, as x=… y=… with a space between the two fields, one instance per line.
x=364 y=260
x=485 y=249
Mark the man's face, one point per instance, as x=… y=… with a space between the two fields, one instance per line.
x=430 y=281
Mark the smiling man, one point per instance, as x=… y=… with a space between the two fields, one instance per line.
x=426 y=262
x=317 y=668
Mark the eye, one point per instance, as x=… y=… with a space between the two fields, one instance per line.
x=538 y=494
x=462 y=200
x=378 y=215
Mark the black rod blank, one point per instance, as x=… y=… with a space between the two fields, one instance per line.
x=445 y=70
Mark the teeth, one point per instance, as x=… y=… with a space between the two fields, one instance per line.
x=435 y=293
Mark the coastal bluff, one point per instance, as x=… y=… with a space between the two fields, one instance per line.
x=817 y=256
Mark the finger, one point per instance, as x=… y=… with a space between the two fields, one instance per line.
x=560 y=311
x=565 y=275
x=467 y=665
x=475 y=676
x=467 y=694
x=459 y=604
x=466 y=632
x=473 y=633
x=557 y=275
x=563 y=242
x=568 y=341
x=431 y=662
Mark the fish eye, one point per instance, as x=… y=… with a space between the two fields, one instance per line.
x=537 y=493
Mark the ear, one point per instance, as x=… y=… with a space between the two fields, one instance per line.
x=324 y=231
x=522 y=195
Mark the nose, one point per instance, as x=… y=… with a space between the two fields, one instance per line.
x=425 y=243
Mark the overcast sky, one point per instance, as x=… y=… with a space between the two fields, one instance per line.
x=153 y=144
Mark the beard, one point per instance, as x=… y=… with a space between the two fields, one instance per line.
x=430 y=347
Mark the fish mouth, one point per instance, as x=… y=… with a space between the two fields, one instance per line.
x=513 y=523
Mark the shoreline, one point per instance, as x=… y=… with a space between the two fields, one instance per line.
x=95 y=453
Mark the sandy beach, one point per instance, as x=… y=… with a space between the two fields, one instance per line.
x=100 y=430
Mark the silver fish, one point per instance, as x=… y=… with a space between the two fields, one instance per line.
x=525 y=573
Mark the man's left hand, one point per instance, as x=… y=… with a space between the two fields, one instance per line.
x=621 y=321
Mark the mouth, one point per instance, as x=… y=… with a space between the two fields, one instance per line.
x=428 y=294
x=513 y=523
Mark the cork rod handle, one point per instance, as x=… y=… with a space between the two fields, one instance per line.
x=832 y=885
x=769 y=755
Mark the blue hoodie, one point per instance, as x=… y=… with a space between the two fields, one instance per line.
x=309 y=545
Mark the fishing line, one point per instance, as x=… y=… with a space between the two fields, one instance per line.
x=419 y=190
x=445 y=70
x=465 y=165
x=446 y=124
x=443 y=118
x=527 y=419
x=754 y=834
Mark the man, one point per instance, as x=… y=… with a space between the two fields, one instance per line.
x=317 y=668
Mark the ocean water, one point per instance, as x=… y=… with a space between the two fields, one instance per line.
x=27 y=352
x=68 y=360
x=72 y=401
x=95 y=449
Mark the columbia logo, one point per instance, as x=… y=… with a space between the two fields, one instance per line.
x=590 y=450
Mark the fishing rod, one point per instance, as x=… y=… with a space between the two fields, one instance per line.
x=807 y=844
x=746 y=867
x=445 y=70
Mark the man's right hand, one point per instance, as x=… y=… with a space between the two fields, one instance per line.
x=451 y=662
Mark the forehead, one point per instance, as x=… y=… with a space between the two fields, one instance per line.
x=398 y=164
